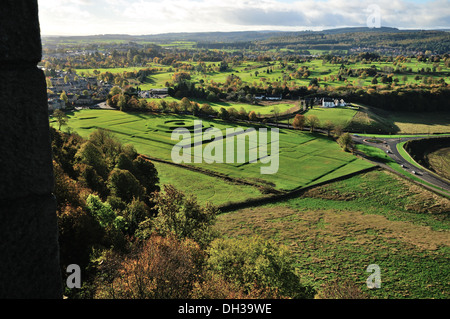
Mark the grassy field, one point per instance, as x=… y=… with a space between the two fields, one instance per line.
x=206 y=188
x=360 y=118
x=337 y=230
x=304 y=159
x=423 y=123
x=325 y=72
x=341 y=116
x=440 y=162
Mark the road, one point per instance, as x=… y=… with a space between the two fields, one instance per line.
x=389 y=146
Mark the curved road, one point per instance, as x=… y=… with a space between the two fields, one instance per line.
x=389 y=146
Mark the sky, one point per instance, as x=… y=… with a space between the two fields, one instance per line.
x=140 y=17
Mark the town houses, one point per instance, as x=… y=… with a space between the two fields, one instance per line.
x=80 y=91
x=159 y=93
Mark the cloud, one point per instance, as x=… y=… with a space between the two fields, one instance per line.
x=150 y=16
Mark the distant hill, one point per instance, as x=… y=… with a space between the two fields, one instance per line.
x=358 y=29
x=233 y=36
x=387 y=39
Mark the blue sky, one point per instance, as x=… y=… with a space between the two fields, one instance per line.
x=89 y=17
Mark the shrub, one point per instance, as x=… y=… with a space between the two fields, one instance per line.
x=182 y=216
x=124 y=185
x=165 y=268
x=257 y=264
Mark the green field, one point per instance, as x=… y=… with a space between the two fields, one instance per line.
x=206 y=188
x=422 y=123
x=339 y=116
x=304 y=159
x=337 y=230
x=325 y=72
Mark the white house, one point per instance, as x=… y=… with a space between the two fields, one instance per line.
x=340 y=102
x=328 y=102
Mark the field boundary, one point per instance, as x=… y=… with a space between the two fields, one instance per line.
x=430 y=188
x=434 y=189
x=254 y=202
x=227 y=178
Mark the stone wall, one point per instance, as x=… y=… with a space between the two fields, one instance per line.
x=29 y=252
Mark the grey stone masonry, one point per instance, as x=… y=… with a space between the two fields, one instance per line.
x=29 y=251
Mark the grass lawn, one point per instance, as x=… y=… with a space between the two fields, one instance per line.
x=336 y=231
x=422 y=123
x=206 y=188
x=338 y=116
x=304 y=159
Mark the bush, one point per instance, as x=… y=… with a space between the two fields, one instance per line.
x=165 y=268
x=124 y=185
x=257 y=264
x=183 y=217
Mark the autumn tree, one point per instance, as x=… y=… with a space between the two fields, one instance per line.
x=64 y=98
x=328 y=126
x=61 y=118
x=122 y=102
x=313 y=122
x=125 y=185
x=346 y=142
x=179 y=77
x=338 y=130
x=185 y=104
x=299 y=122
x=257 y=263
x=165 y=268
x=183 y=216
x=223 y=114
